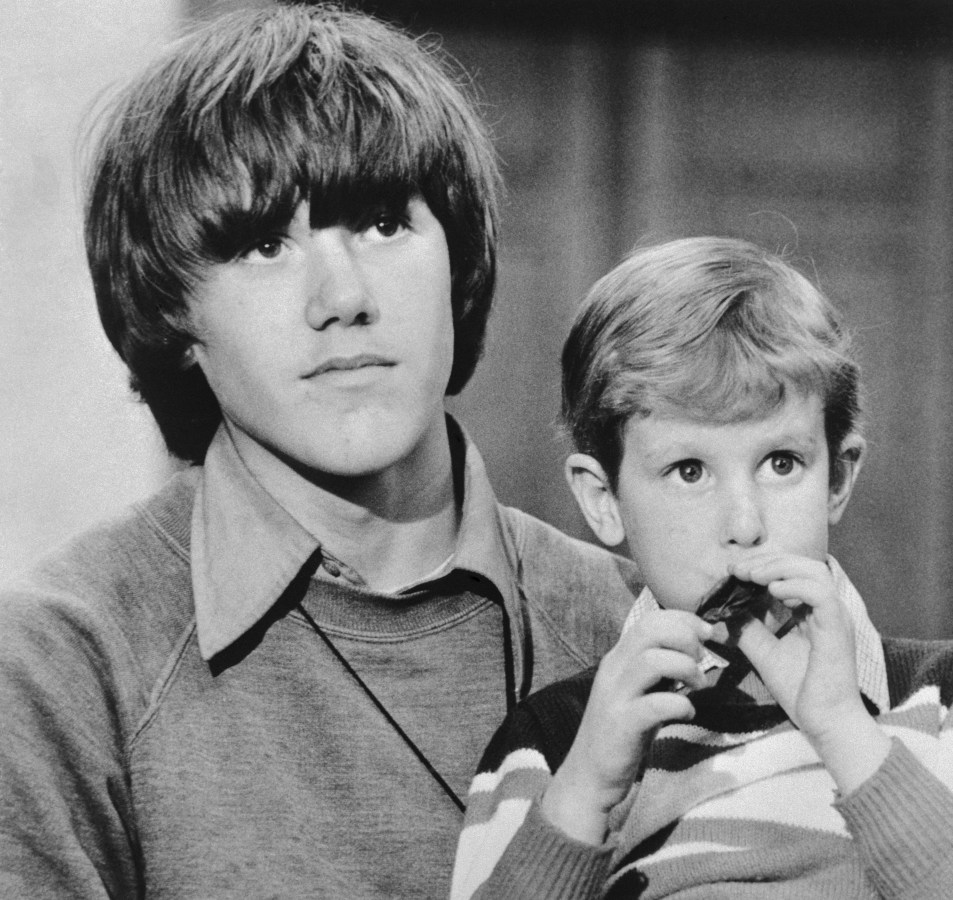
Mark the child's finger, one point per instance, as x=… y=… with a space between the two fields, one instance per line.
x=744 y=568
x=780 y=567
x=807 y=591
x=660 y=708
x=668 y=666
x=672 y=629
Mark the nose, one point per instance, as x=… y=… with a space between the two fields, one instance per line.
x=744 y=524
x=337 y=291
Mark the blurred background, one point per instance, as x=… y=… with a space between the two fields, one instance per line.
x=821 y=129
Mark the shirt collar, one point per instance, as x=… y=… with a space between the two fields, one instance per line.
x=480 y=548
x=246 y=548
x=870 y=661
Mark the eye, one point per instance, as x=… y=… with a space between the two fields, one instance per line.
x=387 y=223
x=689 y=471
x=266 y=250
x=783 y=462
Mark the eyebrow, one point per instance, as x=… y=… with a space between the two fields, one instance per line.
x=669 y=450
x=796 y=437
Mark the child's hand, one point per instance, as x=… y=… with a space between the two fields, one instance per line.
x=622 y=716
x=811 y=671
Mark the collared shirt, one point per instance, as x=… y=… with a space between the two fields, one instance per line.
x=176 y=732
x=246 y=548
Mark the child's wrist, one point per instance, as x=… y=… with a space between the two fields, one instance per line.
x=581 y=822
x=577 y=807
x=852 y=749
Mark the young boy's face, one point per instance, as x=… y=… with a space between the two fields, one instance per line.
x=332 y=347
x=694 y=497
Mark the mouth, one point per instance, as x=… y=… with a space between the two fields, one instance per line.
x=350 y=364
x=736 y=602
x=733 y=601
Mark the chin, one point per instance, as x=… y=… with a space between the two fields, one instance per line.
x=359 y=448
x=369 y=461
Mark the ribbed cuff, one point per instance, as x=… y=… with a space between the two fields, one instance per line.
x=543 y=862
x=901 y=820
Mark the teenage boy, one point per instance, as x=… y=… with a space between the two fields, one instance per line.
x=275 y=677
x=713 y=401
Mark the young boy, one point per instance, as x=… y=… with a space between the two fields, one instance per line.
x=711 y=394
x=275 y=677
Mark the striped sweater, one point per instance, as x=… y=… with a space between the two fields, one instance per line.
x=735 y=804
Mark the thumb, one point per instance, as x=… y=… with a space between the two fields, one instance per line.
x=781 y=672
x=758 y=644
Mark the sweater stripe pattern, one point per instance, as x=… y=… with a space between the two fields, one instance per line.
x=761 y=808
x=735 y=804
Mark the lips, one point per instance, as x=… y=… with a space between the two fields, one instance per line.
x=350 y=364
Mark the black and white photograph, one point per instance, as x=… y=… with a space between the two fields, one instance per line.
x=476 y=449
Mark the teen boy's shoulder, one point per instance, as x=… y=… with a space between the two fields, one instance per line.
x=574 y=587
x=87 y=636
x=125 y=582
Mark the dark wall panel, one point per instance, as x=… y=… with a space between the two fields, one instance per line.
x=815 y=129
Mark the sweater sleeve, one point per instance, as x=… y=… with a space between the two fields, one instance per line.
x=538 y=862
x=901 y=820
x=507 y=849
x=65 y=810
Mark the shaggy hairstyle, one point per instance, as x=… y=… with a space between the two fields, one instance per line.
x=713 y=328
x=217 y=143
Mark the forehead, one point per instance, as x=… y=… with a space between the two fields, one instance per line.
x=797 y=422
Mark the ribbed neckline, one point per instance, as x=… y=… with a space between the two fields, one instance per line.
x=352 y=611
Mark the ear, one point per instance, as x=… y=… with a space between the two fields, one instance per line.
x=185 y=323
x=188 y=357
x=590 y=486
x=845 y=469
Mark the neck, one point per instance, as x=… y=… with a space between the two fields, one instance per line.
x=391 y=527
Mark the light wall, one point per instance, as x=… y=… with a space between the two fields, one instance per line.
x=74 y=446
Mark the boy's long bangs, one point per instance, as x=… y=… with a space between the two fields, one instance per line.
x=240 y=176
x=215 y=145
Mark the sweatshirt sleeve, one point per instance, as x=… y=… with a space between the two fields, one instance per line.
x=65 y=809
x=507 y=848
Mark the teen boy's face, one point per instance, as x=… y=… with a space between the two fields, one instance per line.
x=693 y=497
x=332 y=347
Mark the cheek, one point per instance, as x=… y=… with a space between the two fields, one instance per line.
x=435 y=329
x=235 y=370
x=658 y=539
x=801 y=525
